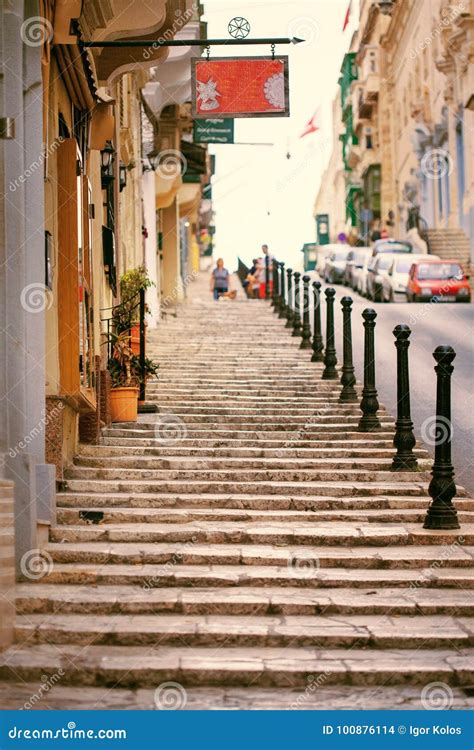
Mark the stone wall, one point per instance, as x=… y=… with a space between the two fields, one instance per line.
x=7 y=564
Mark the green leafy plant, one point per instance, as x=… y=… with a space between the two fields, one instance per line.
x=130 y=284
x=124 y=366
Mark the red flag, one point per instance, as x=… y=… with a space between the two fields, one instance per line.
x=348 y=15
x=312 y=125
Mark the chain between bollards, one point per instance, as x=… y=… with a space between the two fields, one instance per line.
x=348 y=379
x=404 y=439
x=318 y=344
x=306 y=330
x=442 y=513
x=330 y=356
x=369 y=421
x=289 y=306
x=296 y=312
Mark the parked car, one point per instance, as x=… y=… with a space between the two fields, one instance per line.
x=336 y=265
x=324 y=251
x=362 y=274
x=376 y=270
x=355 y=265
x=395 y=281
x=391 y=246
x=443 y=280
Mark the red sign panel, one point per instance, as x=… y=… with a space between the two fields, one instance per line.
x=240 y=87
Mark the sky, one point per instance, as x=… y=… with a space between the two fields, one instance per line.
x=259 y=195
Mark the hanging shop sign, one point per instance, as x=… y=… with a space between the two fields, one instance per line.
x=240 y=87
x=218 y=130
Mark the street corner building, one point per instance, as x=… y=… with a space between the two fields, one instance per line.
x=101 y=185
x=403 y=129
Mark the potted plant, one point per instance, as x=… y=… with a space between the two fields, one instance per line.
x=130 y=284
x=124 y=393
x=150 y=371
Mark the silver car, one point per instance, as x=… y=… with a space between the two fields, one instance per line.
x=395 y=281
x=361 y=273
x=336 y=265
x=355 y=264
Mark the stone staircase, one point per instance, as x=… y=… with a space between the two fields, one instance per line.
x=246 y=547
x=452 y=244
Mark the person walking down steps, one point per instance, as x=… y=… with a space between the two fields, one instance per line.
x=220 y=279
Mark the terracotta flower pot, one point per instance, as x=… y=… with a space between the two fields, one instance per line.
x=135 y=338
x=124 y=404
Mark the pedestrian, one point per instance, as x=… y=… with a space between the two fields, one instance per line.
x=266 y=261
x=220 y=278
x=251 y=282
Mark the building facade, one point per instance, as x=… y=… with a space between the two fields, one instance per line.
x=406 y=91
x=87 y=195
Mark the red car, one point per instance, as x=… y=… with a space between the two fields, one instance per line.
x=440 y=280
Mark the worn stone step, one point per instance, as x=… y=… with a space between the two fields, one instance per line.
x=333 y=434
x=355 y=471
x=84 y=514
x=314 y=697
x=43 y=597
x=302 y=559
x=336 y=488
x=151 y=576
x=249 y=443
x=194 y=631
x=251 y=502
x=263 y=533
x=132 y=665
x=246 y=467
x=176 y=453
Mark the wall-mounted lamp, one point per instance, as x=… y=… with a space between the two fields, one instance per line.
x=107 y=165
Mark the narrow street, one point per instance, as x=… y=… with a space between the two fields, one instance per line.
x=245 y=547
x=431 y=326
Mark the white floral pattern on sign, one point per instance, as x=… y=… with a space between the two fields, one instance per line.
x=207 y=93
x=274 y=88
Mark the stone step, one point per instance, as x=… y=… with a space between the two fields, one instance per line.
x=192 y=631
x=85 y=513
x=189 y=576
x=389 y=486
x=86 y=599
x=378 y=440
x=314 y=697
x=266 y=667
x=301 y=558
x=260 y=502
x=306 y=437
x=322 y=533
x=176 y=453
x=243 y=465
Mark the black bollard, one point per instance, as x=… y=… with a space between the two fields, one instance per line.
x=275 y=276
x=289 y=305
x=348 y=393
x=442 y=513
x=369 y=421
x=282 y=300
x=318 y=344
x=330 y=357
x=297 y=296
x=267 y=277
x=404 y=439
x=306 y=331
